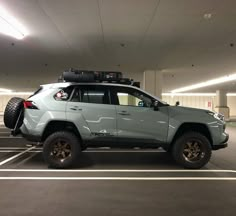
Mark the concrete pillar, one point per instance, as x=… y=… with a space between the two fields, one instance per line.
x=221 y=103
x=152 y=82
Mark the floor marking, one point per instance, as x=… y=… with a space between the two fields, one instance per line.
x=27 y=158
x=123 y=151
x=12 y=151
x=125 y=178
x=117 y=171
x=93 y=151
x=16 y=156
x=17 y=148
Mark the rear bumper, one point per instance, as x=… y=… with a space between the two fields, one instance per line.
x=31 y=138
x=28 y=136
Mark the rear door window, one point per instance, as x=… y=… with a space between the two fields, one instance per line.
x=91 y=94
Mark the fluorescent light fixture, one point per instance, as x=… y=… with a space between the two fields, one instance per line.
x=10 y=26
x=212 y=82
x=122 y=94
x=5 y=90
x=16 y=93
x=195 y=94
x=188 y=94
x=231 y=94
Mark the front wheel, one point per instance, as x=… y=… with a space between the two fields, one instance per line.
x=192 y=150
x=61 y=149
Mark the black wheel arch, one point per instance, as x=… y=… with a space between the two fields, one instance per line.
x=55 y=126
x=192 y=127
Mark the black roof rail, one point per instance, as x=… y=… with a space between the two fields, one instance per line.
x=75 y=75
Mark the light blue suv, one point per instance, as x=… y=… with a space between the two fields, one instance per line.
x=68 y=117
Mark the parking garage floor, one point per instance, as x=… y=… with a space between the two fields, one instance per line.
x=114 y=182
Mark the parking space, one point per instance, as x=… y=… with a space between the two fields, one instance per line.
x=115 y=182
x=134 y=71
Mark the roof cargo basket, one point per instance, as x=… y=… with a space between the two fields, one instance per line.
x=75 y=75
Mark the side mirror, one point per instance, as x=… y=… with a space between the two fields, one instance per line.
x=141 y=104
x=155 y=105
x=177 y=103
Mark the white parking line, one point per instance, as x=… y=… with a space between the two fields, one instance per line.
x=92 y=151
x=117 y=171
x=16 y=156
x=13 y=151
x=125 y=178
x=17 y=148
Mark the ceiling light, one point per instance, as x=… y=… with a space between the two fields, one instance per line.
x=207 y=16
x=10 y=26
x=188 y=94
x=231 y=94
x=212 y=82
x=16 y=93
x=5 y=90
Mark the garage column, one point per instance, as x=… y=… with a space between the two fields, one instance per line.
x=221 y=103
x=152 y=82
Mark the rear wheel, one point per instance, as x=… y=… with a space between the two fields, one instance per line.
x=61 y=149
x=192 y=150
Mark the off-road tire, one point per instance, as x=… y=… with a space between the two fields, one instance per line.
x=182 y=147
x=12 y=111
x=50 y=154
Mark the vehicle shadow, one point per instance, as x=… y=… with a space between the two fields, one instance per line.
x=113 y=160
x=124 y=160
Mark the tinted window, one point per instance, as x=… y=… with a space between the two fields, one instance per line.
x=91 y=94
x=130 y=97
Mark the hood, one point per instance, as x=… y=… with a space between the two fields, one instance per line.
x=182 y=108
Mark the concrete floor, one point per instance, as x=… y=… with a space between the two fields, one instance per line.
x=115 y=182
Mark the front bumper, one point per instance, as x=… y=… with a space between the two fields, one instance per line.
x=223 y=144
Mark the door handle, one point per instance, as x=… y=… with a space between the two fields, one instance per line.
x=76 y=108
x=123 y=113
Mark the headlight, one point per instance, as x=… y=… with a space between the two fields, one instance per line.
x=218 y=116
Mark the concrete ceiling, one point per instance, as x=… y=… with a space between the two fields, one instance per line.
x=126 y=35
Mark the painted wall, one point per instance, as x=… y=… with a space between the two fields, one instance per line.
x=202 y=102
x=231 y=101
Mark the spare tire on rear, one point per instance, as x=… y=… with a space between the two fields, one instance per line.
x=13 y=112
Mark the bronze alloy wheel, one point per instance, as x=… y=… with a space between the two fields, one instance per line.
x=61 y=150
x=193 y=150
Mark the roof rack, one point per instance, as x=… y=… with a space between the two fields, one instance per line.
x=75 y=75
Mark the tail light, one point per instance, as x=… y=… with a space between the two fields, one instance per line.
x=29 y=105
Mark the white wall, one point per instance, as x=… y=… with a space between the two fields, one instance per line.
x=231 y=102
x=201 y=102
